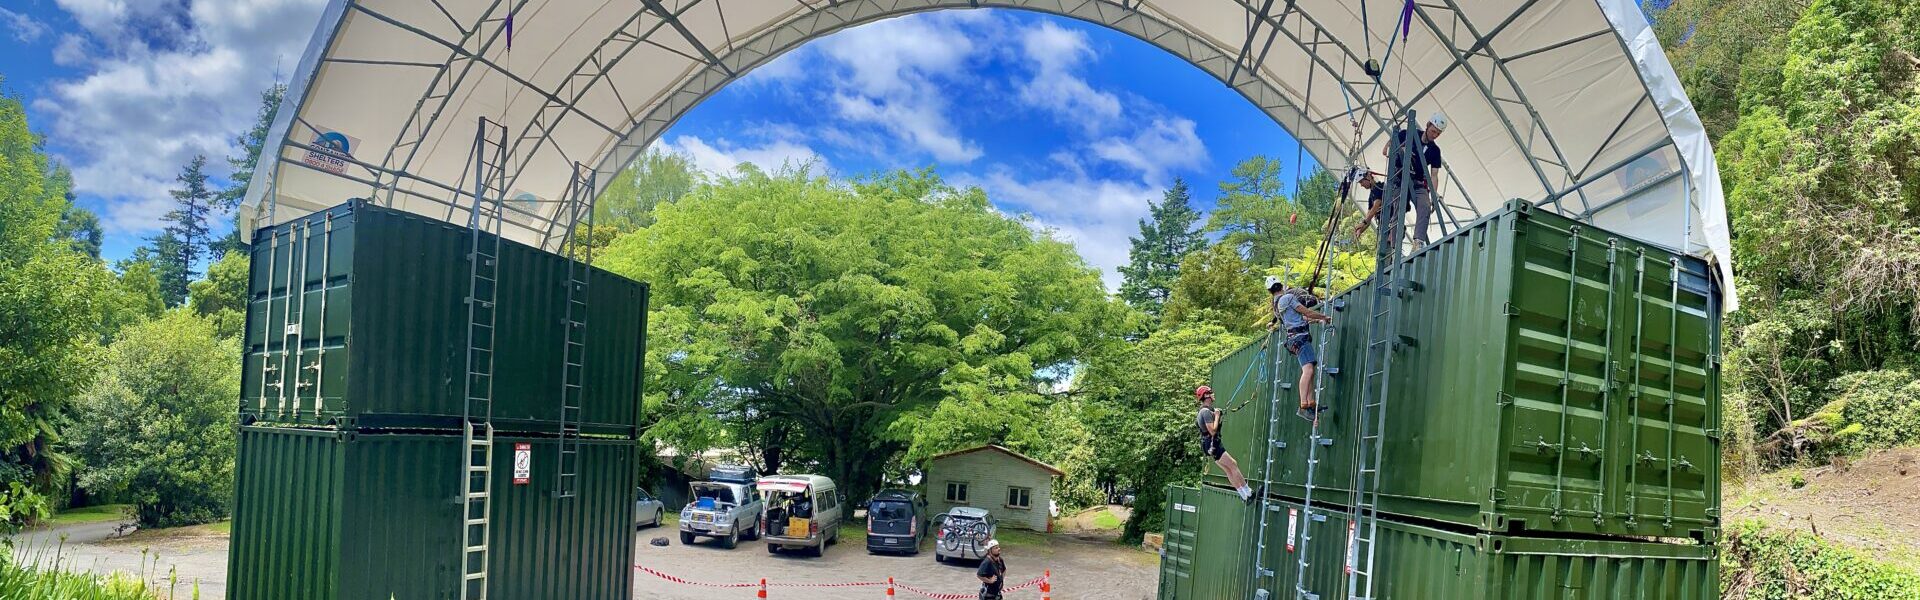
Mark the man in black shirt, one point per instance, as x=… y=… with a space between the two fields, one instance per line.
x=1208 y=421
x=1426 y=170
x=992 y=573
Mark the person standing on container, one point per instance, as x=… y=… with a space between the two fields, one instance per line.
x=1211 y=446
x=992 y=573
x=1426 y=170
x=1293 y=310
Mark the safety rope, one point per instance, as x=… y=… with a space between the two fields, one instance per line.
x=1261 y=356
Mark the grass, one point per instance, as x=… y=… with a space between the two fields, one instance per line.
x=1105 y=519
x=90 y=514
x=39 y=575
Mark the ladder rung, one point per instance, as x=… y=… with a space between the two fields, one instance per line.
x=478 y=468
x=476 y=521
x=476 y=548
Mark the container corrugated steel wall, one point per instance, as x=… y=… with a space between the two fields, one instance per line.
x=328 y=515
x=1425 y=563
x=374 y=333
x=1527 y=398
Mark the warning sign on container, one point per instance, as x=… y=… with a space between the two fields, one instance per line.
x=522 y=463
x=1349 y=547
x=1293 y=520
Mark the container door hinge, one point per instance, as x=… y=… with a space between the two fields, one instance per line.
x=1509 y=309
x=1501 y=398
x=1713 y=434
x=1497 y=495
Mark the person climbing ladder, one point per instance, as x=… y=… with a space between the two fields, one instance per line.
x=1210 y=445
x=1293 y=310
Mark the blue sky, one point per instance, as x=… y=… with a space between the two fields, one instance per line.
x=1076 y=125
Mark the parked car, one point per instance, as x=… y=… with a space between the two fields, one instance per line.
x=962 y=534
x=896 y=521
x=801 y=511
x=723 y=510
x=647 y=510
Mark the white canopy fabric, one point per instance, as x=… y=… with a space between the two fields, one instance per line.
x=1569 y=104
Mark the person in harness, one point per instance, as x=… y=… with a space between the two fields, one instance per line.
x=1209 y=422
x=1424 y=175
x=992 y=572
x=1292 y=311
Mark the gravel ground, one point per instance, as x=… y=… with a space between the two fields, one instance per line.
x=1082 y=569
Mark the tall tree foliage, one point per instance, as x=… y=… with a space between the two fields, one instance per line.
x=1167 y=236
x=184 y=242
x=1258 y=217
x=50 y=305
x=1820 y=107
x=650 y=180
x=834 y=311
x=81 y=228
x=250 y=144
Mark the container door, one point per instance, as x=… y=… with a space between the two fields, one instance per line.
x=1669 y=446
x=1177 y=553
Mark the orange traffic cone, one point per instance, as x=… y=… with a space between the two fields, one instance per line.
x=1046 y=585
x=763 y=587
x=889 y=587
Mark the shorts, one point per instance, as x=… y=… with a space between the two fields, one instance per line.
x=1212 y=447
x=1301 y=345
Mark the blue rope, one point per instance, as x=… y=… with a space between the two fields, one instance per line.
x=1260 y=360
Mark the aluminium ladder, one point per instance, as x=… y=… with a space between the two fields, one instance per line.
x=1314 y=442
x=1390 y=286
x=476 y=476
x=577 y=210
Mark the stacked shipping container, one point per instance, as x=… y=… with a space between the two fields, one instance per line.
x=353 y=398
x=1551 y=380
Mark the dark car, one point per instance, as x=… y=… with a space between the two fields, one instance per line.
x=896 y=522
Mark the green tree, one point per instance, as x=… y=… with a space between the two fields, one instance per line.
x=156 y=427
x=222 y=296
x=834 y=309
x=50 y=306
x=1166 y=238
x=136 y=294
x=171 y=266
x=1140 y=406
x=1217 y=286
x=251 y=143
x=1256 y=215
x=187 y=225
x=654 y=178
x=81 y=228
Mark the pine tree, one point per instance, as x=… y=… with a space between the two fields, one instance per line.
x=251 y=144
x=1154 y=258
x=185 y=240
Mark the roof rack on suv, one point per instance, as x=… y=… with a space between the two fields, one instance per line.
x=732 y=474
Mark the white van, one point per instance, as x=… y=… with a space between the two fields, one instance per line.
x=800 y=511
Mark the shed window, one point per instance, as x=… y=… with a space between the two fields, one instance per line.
x=1019 y=497
x=957 y=492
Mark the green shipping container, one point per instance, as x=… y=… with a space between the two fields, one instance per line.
x=1415 y=562
x=374 y=331
x=1551 y=377
x=337 y=515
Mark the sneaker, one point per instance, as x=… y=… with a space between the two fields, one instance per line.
x=1248 y=498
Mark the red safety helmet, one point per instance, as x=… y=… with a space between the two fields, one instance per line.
x=1201 y=393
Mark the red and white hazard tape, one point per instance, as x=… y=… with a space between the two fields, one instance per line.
x=763 y=584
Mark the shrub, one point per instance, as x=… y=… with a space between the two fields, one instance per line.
x=157 y=426
x=1768 y=564
x=25 y=581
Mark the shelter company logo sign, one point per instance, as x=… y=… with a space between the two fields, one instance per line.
x=329 y=151
x=522 y=463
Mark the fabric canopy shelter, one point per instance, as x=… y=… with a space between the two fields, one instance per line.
x=1569 y=104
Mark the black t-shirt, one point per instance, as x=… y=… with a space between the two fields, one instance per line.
x=1206 y=418
x=997 y=569
x=1429 y=159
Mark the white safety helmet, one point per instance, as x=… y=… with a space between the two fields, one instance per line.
x=1438 y=120
x=1273 y=282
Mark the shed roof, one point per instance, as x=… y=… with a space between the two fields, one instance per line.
x=1570 y=104
x=1003 y=450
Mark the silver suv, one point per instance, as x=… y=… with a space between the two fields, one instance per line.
x=723 y=510
x=962 y=534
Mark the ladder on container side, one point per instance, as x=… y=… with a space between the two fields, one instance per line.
x=483 y=257
x=1268 y=507
x=1389 y=286
x=577 y=211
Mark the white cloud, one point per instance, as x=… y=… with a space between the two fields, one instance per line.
x=163 y=81
x=1055 y=54
x=24 y=28
x=722 y=157
x=1096 y=215
x=1167 y=144
x=897 y=75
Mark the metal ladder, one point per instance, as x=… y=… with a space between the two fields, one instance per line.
x=1308 y=513
x=1383 y=339
x=577 y=209
x=476 y=464
x=1260 y=571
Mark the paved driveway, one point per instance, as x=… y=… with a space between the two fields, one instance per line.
x=1081 y=569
